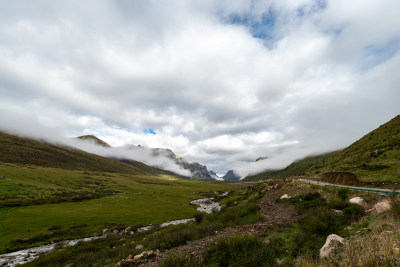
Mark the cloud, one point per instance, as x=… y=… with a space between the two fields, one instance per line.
x=219 y=82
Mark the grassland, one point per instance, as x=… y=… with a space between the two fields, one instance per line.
x=36 y=201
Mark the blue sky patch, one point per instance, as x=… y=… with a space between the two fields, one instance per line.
x=262 y=28
x=149 y=131
x=374 y=55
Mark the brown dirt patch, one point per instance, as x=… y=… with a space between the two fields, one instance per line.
x=276 y=213
x=344 y=178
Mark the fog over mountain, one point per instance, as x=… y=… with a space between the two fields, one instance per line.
x=221 y=83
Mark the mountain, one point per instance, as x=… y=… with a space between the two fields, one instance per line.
x=374 y=157
x=214 y=175
x=197 y=170
x=231 y=176
x=93 y=139
x=20 y=150
x=261 y=158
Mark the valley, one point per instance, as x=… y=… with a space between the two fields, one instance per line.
x=51 y=193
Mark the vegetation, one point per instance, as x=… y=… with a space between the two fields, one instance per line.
x=116 y=247
x=244 y=251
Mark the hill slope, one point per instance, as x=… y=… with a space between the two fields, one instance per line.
x=27 y=151
x=374 y=157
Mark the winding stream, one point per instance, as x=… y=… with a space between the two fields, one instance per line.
x=12 y=259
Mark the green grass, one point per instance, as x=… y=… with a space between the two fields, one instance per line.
x=95 y=199
x=244 y=251
x=114 y=248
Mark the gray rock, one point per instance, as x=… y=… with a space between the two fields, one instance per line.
x=359 y=201
x=333 y=245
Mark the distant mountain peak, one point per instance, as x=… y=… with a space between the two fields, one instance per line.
x=93 y=139
x=261 y=158
x=231 y=175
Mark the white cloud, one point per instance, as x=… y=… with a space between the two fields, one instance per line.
x=211 y=90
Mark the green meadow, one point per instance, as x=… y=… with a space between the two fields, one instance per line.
x=42 y=204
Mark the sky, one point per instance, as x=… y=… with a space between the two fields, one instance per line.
x=218 y=82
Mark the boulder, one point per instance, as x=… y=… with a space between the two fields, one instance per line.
x=333 y=245
x=359 y=201
x=285 y=196
x=382 y=206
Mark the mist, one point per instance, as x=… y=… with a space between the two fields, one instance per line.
x=28 y=128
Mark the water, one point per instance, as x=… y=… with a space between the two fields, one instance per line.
x=30 y=254
x=207 y=205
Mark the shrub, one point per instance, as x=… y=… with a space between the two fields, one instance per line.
x=305 y=202
x=199 y=217
x=352 y=213
x=338 y=204
x=182 y=260
x=343 y=193
x=395 y=207
x=244 y=251
x=179 y=235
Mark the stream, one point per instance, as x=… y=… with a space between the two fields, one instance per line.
x=12 y=259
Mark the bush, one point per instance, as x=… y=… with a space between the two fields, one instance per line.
x=313 y=228
x=338 y=204
x=199 y=217
x=182 y=260
x=343 y=193
x=352 y=213
x=395 y=207
x=244 y=251
x=305 y=202
x=179 y=235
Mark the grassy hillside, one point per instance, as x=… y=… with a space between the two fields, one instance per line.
x=27 y=151
x=375 y=157
x=298 y=168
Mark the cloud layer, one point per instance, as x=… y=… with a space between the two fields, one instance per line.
x=219 y=82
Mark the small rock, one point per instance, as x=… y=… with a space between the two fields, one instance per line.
x=279 y=261
x=333 y=245
x=359 y=201
x=140 y=246
x=115 y=232
x=382 y=207
x=285 y=196
x=338 y=212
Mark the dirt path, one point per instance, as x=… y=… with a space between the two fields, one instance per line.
x=276 y=214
